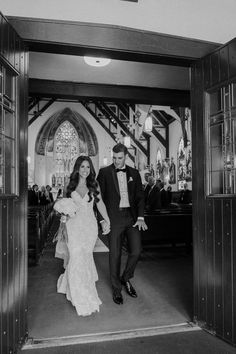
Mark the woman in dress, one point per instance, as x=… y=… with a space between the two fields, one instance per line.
x=78 y=280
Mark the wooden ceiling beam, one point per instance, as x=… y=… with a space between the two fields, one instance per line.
x=115 y=93
x=43 y=109
x=116 y=42
x=93 y=114
x=107 y=111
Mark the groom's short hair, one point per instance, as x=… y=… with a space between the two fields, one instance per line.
x=120 y=148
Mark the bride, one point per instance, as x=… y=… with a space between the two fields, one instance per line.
x=78 y=280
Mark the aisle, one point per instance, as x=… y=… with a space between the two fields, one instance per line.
x=163 y=283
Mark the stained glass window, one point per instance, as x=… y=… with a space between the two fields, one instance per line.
x=184 y=164
x=159 y=164
x=66 y=150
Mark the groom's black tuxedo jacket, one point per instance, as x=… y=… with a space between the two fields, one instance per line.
x=108 y=181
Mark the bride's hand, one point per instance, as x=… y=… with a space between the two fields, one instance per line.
x=105 y=227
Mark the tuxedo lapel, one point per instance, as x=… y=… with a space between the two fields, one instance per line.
x=129 y=181
x=115 y=179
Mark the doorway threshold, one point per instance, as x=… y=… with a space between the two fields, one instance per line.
x=108 y=336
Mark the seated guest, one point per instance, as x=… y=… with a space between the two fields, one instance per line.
x=54 y=192
x=43 y=199
x=185 y=195
x=30 y=195
x=149 y=186
x=60 y=193
x=144 y=177
x=169 y=194
x=34 y=196
x=153 y=198
x=163 y=195
x=49 y=195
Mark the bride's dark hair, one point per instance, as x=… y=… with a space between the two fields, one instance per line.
x=91 y=182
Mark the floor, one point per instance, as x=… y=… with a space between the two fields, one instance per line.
x=163 y=280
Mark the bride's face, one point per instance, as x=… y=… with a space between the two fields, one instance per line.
x=84 y=169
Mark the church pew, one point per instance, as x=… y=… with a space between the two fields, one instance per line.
x=172 y=225
x=39 y=223
x=34 y=242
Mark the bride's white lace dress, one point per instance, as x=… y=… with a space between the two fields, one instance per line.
x=78 y=282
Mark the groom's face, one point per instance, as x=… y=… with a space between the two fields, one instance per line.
x=119 y=159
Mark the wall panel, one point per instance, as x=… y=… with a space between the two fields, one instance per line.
x=214 y=215
x=210 y=264
x=224 y=63
x=217 y=275
x=215 y=68
x=13 y=207
x=232 y=58
x=227 y=257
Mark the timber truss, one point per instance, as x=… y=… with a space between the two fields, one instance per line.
x=118 y=119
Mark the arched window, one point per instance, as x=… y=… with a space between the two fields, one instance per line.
x=184 y=164
x=66 y=150
x=159 y=164
x=181 y=164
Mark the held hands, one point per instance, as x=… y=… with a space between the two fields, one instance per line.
x=106 y=228
x=64 y=218
x=141 y=225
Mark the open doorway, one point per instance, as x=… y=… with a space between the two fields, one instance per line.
x=142 y=92
x=163 y=278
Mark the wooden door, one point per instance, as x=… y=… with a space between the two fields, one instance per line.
x=13 y=188
x=214 y=191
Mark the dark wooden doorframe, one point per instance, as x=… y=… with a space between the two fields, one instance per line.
x=214 y=222
x=30 y=30
x=115 y=42
x=13 y=198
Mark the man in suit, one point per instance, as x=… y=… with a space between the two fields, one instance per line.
x=148 y=187
x=34 y=196
x=185 y=195
x=163 y=194
x=122 y=193
x=152 y=196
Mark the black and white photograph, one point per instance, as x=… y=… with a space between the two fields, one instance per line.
x=117 y=177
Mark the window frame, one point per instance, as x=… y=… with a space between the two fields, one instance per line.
x=9 y=105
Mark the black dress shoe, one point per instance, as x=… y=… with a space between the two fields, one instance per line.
x=118 y=298
x=129 y=288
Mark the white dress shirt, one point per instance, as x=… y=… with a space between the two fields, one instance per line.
x=123 y=188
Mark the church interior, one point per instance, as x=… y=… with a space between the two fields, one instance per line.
x=158 y=139
x=89 y=81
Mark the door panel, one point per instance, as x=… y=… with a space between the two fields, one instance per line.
x=210 y=251
x=13 y=187
x=214 y=191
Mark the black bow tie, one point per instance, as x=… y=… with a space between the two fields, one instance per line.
x=121 y=170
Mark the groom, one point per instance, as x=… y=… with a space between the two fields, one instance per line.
x=122 y=193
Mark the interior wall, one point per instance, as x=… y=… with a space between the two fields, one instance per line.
x=175 y=134
x=73 y=68
x=188 y=18
x=38 y=164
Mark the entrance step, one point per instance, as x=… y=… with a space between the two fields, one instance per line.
x=108 y=336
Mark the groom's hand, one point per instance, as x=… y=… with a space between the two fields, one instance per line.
x=141 y=225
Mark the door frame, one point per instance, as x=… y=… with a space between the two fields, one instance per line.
x=125 y=44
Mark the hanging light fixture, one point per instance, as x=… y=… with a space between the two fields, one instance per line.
x=94 y=61
x=105 y=161
x=127 y=141
x=148 y=123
